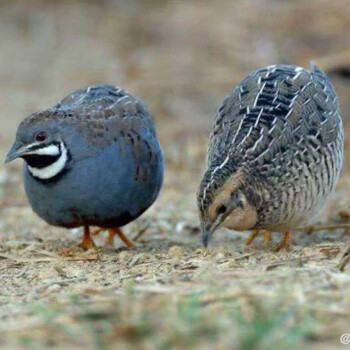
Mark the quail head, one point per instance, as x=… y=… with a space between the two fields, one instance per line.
x=92 y=159
x=274 y=155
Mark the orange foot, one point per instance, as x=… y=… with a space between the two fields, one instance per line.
x=255 y=233
x=110 y=238
x=87 y=243
x=286 y=241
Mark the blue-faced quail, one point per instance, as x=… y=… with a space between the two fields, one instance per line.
x=92 y=159
x=274 y=155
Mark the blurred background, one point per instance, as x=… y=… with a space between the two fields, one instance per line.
x=181 y=57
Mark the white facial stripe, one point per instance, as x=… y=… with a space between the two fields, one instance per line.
x=53 y=169
x=51 y=150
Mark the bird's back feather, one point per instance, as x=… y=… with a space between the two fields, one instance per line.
x=275 y=112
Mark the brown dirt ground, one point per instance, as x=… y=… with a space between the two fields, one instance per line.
x=169 y=292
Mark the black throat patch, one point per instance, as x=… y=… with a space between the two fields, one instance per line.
x=40 y=161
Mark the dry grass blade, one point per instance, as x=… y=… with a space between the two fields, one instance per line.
x=344 y=257
x=313 y=228
x=65 y=281
x=296 y=262
x=82 y=257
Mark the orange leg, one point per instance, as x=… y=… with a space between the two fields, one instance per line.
x=267 y=236
x=255 y=233
x=286 y=241
x=251 y=237
x=110 y=238
x=98 y=231
x=87 y=243
x=117 y=231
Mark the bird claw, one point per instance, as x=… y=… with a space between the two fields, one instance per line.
x=285 y=243
x=87 y=243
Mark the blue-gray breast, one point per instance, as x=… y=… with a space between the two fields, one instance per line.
x=275 y=152
x=92 y=159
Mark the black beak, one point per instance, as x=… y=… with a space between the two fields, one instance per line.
x=17 y=150
x=206 y=235
x=207 y=231
x=209 y=228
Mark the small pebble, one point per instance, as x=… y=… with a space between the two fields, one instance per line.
x=223 y=251
x=175 y=251
x=219 y=256
x=200 y=251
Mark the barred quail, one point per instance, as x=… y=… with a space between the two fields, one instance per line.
x=92 y=159
x=274 y=155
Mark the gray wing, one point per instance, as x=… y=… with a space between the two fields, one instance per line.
x=103 y=102
x=274 y=113
x=110 y=116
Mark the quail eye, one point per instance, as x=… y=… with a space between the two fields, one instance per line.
x=221 y=209
x=40 y=136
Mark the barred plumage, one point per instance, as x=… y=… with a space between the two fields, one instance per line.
x=281 y=129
